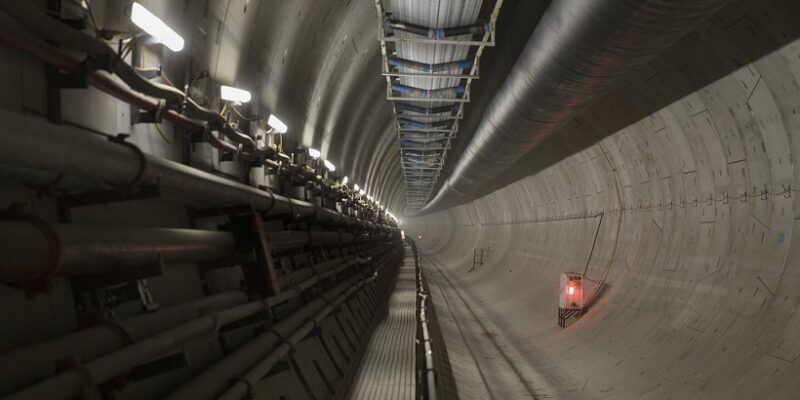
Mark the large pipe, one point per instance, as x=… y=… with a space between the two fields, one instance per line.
x=36 y=144
x=578 y=51
x=217 y=377
x=427 y=67
x=31 y=250
x=419 y=92
x=241 y=387
x=401 y=107
x=425 y=125
x=436 y=33
x=70 y=382
x=24 y=366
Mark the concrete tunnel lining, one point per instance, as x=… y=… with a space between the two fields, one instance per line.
x=701 y=296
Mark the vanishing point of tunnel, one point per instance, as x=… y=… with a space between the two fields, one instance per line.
x=399 y=199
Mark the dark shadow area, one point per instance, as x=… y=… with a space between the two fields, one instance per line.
x=643 y=92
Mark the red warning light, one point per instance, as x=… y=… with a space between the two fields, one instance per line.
x=571 y=287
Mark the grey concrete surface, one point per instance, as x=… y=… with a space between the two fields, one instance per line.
x=702 y=296
x=386 y=367
x=691 y=164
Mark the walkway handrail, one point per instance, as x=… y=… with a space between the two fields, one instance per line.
x=426 y=366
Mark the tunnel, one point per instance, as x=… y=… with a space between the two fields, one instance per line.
x=399 y=199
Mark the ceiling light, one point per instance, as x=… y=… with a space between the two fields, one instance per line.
x=156 y=28
x=314 y=153
x=345 y=180
x=233 y=94
x=362 y=192
x=356 y=188
x=329 y=165
x=277 y=124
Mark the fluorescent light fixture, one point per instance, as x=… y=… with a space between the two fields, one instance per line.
x=329 y=165
x=345 y=180
x=233 y=94
x=356 y=188
x=156 y=28
x=314 y=153
x=277 y=124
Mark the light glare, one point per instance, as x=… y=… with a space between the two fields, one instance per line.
x=229 y=93
x=155 y=27
x=277 y=124
x=314 y=153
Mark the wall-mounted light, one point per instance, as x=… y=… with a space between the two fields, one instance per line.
x=228 y=93
x=329 y=165
x=345 y=180
x=155 y=27
x=356 y=188
x=314 y=153
x=277 y=124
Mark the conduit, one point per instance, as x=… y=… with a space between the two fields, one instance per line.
x=436 y=33
x=29 y=249
x=426 y=125
x=579 y=50
x=24 y=366
x=105 y=82
x=426 y=67
x=426 y=110
x=216 y=378
x=418 y=92
x=241 y=387
x=35 y=144
x=73 y=381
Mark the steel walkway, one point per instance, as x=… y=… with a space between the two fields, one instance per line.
x=386 y=367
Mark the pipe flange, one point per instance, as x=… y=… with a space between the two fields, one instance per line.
x=127 y=187
x=249 y=386
x=44 y=283
x=272 y=202
x=72 y=364
x=111 y=325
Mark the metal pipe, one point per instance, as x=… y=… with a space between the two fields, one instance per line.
x=25 y=366
x=106 y=83
x=242 y=385
x=395 y=61
x=425 y=125
x=436 y=33
x=427 y=110
x=68 y=383
x=564 y=68
x=419 y=92
x=217 y=377
x=32 y=143
x=288 y=240
x=31 y=250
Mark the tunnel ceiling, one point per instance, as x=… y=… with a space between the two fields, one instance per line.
x=317 y=66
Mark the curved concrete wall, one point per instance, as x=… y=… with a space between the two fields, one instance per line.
x=685 y=174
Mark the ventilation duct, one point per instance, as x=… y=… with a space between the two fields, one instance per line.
x=579 y=50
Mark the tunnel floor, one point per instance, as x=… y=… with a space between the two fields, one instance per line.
x=386 y=367
x=486 y=363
